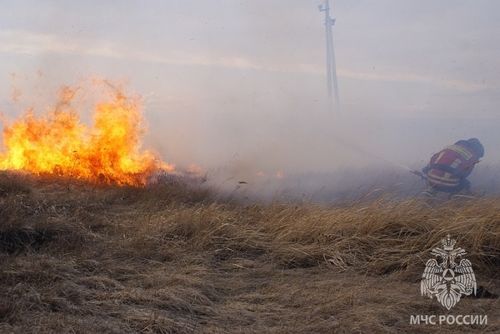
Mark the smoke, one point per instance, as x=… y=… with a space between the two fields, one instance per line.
x=231 y=89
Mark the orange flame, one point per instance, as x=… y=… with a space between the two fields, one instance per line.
x=59 y=144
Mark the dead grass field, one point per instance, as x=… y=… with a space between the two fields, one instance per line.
x=172 y=259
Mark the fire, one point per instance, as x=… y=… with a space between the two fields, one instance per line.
x=58 y=143
x=280 y=174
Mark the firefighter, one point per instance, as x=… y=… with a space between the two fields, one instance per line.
x=448 y=169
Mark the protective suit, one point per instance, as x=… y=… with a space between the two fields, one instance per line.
x=448 y=169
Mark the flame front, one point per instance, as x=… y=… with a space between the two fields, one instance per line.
x=58 y=143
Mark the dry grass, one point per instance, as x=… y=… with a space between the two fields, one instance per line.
x=171 y=259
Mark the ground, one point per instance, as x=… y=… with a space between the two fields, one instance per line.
x=174 y=258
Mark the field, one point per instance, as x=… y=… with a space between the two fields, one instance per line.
x=175 y=258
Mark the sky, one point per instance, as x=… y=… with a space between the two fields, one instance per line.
x=241 y=82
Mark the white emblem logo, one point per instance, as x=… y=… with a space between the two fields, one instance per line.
x=446 y=279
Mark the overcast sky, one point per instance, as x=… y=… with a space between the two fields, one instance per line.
x=228 y=78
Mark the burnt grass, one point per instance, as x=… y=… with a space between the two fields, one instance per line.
x=172 y=258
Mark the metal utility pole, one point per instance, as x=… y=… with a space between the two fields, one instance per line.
x=331 y=70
